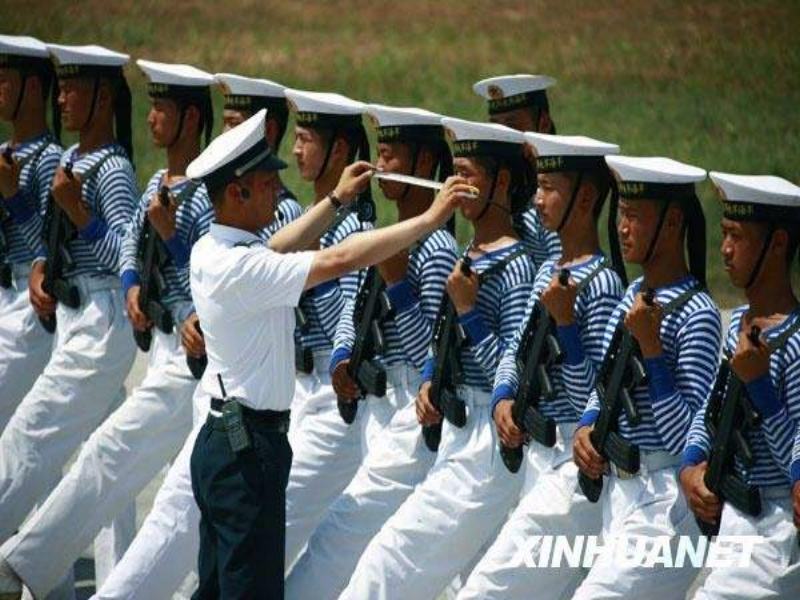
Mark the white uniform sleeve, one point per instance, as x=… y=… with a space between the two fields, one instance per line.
x=266 y=279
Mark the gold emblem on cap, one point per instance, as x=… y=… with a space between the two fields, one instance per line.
x=495 y=92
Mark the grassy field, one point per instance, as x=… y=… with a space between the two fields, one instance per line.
x=713 y=83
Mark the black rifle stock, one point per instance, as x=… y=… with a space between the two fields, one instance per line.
x=60 y=231
x=442 y=393
x=622 y=371
x=728 y=417
x=538 y=351
x=371 y=308
x=5 y=268
x=303 y=357
x=152 y=285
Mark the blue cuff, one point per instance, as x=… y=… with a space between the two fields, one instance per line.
x=338 y=356
x=323 y=288
x=401 y=295
x=178 y=250
x=588 y=418
x=692 y=456
x=794 y=471
x=764 y=395
x=570 y=339
x=502 y=392
x=19 y=207
x=129 y=279
x=95 y=230
x=427 y=370
x=473 y=324
x=660 y=384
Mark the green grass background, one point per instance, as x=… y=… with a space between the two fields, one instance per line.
x=713 y=83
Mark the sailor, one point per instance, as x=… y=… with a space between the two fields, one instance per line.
x=244 y=97
x=244 y=292
x=760 y=235
x=520 y=102
x=74 y=285
x=27 y=82
x=147 y=430
x=451 y=514
x=664 y=337
x=573 y=183
x=410 y=142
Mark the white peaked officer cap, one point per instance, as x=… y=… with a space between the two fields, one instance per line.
x=470 y=138
x=395 y=124
x=757 y=197
x=568 y=152
x=86 y=60
x=235 y=153
x=509 y=92
x=324 y=109
x=177 y=75
x=23 y=45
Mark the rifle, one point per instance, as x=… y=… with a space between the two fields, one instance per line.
x=728 y=417
x=5 y=268
x=372 y=307
x=538 y=352
x=303 y=357
x=60 y=230
x=447 y=341
x=152 y=286
x=197 y=365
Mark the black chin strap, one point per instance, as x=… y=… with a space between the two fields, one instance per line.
x=21 y=95
x=661 y=217
x=414 y=158
x=613 y=236
x=95 y=89
x=328 y=151
x=489 y=197
x=572 y=198
x=178 y=133
x=760 y=262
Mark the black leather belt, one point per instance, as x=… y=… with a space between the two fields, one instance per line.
x=268 y=419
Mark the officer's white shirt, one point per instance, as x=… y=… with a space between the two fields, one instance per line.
x=244 y=294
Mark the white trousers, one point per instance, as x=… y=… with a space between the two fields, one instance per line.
x=396 y=461
x=553 y=505
x=24 y=344
x=326 y=455
x=774 y=569
x=117 y=461
x=648 y=505
x=165 y=549
x=445 y=522
x=93 y=353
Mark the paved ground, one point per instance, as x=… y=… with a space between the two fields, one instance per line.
x=84 y=568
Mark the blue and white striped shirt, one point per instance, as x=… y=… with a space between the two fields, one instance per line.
x=324 y=304
x=492 y=323
x=581 y=342
x=287 y=211
x=110 y=194
x=680 y=379
x=23 y=230
x=415 y=301
x=795 y=468
x=541 y=244
x=192 y=219
x=776 y=397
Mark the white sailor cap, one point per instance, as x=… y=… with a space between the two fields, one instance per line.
x=654 y=177
x=757 y=197
x=568 y=152
x=174 y=80
x=396 y=124
x=324 y=109
x=509 y=92
x=21 y=46
x=469 y=138
x=234 y=153
x=251 y=94
x=87 y=61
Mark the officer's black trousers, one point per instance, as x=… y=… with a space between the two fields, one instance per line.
x=242 y=512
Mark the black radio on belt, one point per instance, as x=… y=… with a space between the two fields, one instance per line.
x=238 y=437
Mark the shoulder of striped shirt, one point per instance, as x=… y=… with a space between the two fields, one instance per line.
x=439 y=239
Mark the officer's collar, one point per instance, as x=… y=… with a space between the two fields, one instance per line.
x=234 y=235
